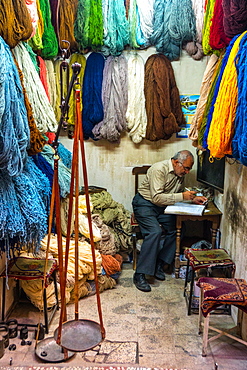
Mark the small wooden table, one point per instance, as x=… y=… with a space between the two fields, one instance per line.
x=212 y=214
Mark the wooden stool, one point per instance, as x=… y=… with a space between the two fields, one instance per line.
x=27 y=268
x=206 y=259
x=214 y=293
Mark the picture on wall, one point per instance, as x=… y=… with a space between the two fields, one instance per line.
x=189 y=104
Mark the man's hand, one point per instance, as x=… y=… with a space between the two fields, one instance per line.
x=200 y=200
x=189 y=195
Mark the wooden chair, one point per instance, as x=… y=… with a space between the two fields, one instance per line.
x=136 y=171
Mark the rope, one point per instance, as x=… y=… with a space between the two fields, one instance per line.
x=116 y=35
x=114 y=85
x=42 y=110
x=88 y=28
x=136 y=116
x=222 y=125
x=14 y=130
x=15 y=22
x=92 y=93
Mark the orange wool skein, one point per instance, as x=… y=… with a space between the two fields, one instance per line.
x=16 y=24
x=37 y=141
x=110 y=264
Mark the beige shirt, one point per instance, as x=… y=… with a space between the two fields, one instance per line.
x=161 y=185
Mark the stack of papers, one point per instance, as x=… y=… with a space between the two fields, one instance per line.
x=185 y=208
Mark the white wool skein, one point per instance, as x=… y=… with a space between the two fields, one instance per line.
x=136 y=116
x=42 y=110
x=146 y=10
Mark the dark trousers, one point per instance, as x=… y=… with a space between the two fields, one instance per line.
x=152 y=220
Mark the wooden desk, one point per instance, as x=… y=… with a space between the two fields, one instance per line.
x=212 y=214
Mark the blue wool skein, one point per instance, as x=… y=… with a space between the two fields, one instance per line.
x=239 y=142
x=216 y=90
x=92 y=112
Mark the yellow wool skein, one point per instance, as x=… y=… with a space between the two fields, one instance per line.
x=222 y=124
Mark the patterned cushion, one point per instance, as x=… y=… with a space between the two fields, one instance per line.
x=202 y=258
x=218 y=291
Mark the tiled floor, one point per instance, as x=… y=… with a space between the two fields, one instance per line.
x=142 y=330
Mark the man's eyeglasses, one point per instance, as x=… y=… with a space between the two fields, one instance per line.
x=185 y=168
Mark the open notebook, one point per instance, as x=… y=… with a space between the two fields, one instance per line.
x=185 y=208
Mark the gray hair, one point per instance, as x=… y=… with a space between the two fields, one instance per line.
x=182 y=155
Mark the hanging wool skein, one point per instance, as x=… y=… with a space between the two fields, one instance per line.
x=42 y=110
x=222 y=125
x=43 y=75
x=16 y=24
x=88 y=28
x=51 y=82
x=115 y=85
x=182 y=22
x=32 y=209
x=39 y=180
x=75 y=58
x=92 y=112
x=234 y=17
x=205 y=127
x=204 y=91
x=12 y=224
x=64 y=174
x=36 y=139
x=194 y=48
x=67 y=17
x=116 y=34
x=14 y=129
x=239 y=141
x=132 y=18
x=146 y=13
x=44 y=167
x=136 y=116
x=163 y=107
x=207 y=26
x=208 y=111
x=49 y=38
x=35 y=41
x=161 y=37
x=217 y=38
x=32 y=8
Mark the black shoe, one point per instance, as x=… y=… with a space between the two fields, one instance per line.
x=159 y=272
x=141 y=282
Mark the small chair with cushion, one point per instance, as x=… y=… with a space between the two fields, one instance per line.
x=207 y=259
x=214 y=293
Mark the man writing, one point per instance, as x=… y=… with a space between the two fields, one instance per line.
x=162 y=186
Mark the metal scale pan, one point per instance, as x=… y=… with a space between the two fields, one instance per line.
x=80 y=335
x=48 y=350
